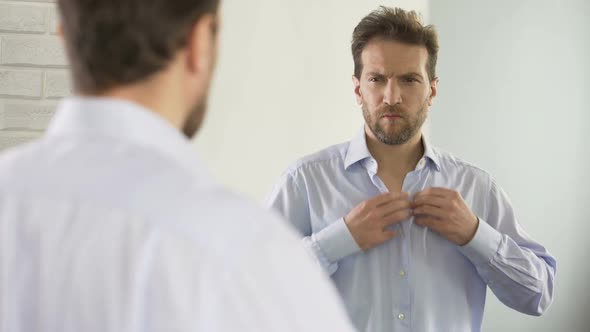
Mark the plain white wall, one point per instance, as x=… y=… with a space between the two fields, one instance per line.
x=283 y=86
x=513 y=99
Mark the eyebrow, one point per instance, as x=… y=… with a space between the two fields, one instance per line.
x=374 y=73
x=409 y=74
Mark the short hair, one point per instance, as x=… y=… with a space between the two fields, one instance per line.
x=117 y=42
x=398 y=25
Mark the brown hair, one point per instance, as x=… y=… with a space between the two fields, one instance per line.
x=394 y=24
x=116 y=42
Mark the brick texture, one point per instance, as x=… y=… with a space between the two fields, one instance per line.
x=33 y=69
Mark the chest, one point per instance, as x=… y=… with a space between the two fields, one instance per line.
x=332 y=197
x=391 y=182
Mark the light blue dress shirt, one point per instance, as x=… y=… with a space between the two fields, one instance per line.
x=418 y=281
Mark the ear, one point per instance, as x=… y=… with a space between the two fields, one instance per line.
x=202 y=46
x=60 y=30
x=433 y=91
x=357 y=90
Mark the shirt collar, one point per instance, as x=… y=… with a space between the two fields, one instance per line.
x=358 y=150
x=430 y=153
x=127 y=121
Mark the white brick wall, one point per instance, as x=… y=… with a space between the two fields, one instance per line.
x=33 y=69
x=57 y=84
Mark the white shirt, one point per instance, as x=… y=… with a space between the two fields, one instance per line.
x=109 y=223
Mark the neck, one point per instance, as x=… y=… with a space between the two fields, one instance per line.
x=397 y=160
x=158 y=94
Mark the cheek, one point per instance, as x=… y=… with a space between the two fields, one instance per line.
x=414 y=96
x=372 y=96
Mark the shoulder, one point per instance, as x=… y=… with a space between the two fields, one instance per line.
x=327 y=159
x=245 y=250
x=228 y=224
x=453 y=165
x=19 y=160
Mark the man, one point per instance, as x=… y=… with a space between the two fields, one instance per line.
x=410 y=234
x=110 y=223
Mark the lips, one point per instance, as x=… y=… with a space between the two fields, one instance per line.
x=391 y=116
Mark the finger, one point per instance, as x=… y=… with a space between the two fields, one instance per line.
x=429 y=210
x=388 y=234
x=430 y=200
x=378 y=199
x=397 y=217
x=435 y=191
x=387 y=198
x=394 y=206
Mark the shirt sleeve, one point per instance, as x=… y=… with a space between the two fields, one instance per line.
x=517 y=269
x=328 y=245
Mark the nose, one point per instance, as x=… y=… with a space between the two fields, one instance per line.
x=392 y=93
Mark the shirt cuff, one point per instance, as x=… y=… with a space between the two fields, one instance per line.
x=335 y=241
x=484 y=245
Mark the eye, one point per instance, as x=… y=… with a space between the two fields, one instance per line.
x=374 y=79
x=410 y=79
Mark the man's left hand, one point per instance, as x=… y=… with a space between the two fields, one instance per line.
x=445 y=212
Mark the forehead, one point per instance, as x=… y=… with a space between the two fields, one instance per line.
x=394 y=57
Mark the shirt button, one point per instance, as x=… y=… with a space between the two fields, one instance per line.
x=402 y=273
x=421 y=163
x=401 y=316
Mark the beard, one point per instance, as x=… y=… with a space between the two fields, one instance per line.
x=406 y=127
x=195 y=118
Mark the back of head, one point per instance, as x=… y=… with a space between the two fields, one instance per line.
x=117 y=42
x=394 y=24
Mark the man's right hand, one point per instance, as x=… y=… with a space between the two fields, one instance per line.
x=369 y=221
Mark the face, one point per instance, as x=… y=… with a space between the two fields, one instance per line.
x=394 y=90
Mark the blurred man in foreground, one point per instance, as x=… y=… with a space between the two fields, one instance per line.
x=110 y=223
